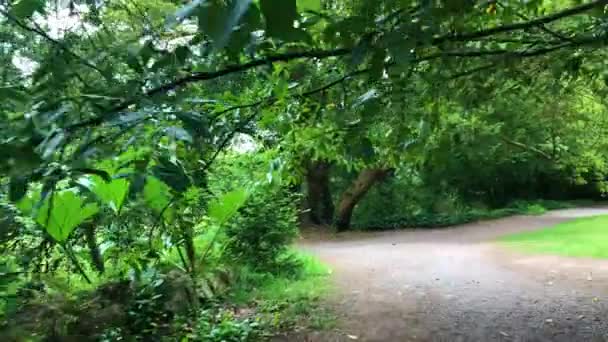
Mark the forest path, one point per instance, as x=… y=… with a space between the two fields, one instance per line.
x=456 y=284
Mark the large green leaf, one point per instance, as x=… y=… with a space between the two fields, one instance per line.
x=112 y=193
x=226 y=206
x=172 y=173
x=309 y=5
x=61 y=213
x=217 y=19
x=279 y=15
x=17 y=188
x=26 y=8
x=158 y=197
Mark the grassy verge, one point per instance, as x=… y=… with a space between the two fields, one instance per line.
x=586 y=237
x=289 y=300
x=465 y=215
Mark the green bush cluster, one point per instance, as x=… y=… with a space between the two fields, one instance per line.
x=263 y=229
x=242 y=223
x=463 y=215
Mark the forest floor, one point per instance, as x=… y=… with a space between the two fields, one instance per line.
x=458 y=284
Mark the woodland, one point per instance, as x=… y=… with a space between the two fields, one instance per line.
x=160 y=157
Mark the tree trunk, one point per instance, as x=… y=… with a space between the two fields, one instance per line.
x=319 y=198
x=366 y=179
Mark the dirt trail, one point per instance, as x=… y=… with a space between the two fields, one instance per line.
x=457 y=285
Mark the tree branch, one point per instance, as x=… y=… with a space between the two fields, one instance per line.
x=205 y=76
x=236 y=68
x=527 y=148
x=460 y=37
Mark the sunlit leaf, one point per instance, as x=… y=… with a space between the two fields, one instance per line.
x=227 y=205
x=112 y=193
x=61 y=213
x=309 y=5
x=158 y=197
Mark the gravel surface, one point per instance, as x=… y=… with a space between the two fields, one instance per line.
x=456 y=284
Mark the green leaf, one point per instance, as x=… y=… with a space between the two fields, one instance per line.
x=181 y=55
x=17 y=188
x=227 y=205
x=67 y=210
x=172 y=174
x=28 y=203
x=158 y=197
x=309 y=5
x=178 y=133
x=279 y=15
x=112 y=193
x=217 y=19
x=26 y=8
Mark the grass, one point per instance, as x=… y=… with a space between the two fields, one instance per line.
x=586 y=237
x=291 y=298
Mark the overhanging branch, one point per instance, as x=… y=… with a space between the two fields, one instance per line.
x=460 y=37
x=205 y=76
x=321 y=54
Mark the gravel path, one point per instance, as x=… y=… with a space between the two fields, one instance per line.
x=457 y=285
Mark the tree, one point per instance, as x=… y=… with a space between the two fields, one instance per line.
x=125 y=75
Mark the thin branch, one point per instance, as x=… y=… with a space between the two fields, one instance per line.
x=460 y=37
x=159 y=220
x=527 y=148
x=472 y=71
x=236 y=68
x=542 y=26
x=205 y=76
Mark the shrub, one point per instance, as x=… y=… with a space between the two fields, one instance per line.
x=264 y=228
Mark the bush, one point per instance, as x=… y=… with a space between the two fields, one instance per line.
x=264 y=228
x=434 y=219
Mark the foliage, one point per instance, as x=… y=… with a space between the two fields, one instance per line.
x=61 y=213
x=122 y=125
x=289 y=298
x=265 y=226
x=585 y=237
x=461 y=215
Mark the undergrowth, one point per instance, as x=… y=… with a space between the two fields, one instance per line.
x=461 y=215
x=252 y=305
